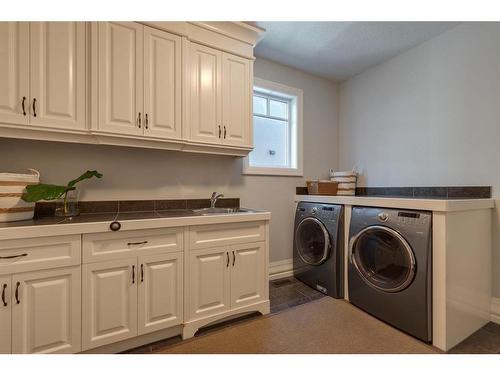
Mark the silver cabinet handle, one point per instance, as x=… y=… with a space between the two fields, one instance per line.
x=227 y=255
x=234 y=258
x=133 y=274
x=34 y=107
x=3 y=294
x=14 y=256
x=142 y=273
x=139 y=120
x=146 y=121
x=225 y=132
x=219 y=131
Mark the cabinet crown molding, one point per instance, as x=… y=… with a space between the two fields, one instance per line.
x=234 y=37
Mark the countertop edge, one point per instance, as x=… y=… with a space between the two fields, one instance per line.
x=64 y=229
x=445 y=205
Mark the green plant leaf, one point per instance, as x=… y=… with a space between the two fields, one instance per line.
x=86 y=175
x=35 y=193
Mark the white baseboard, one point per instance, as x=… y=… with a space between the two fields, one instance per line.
x=280 y=269
x=495 y=310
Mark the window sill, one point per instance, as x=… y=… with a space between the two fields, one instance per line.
x=262 y=171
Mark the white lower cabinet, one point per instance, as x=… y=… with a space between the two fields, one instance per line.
x=5 y=315
x=209 y=288
x=226 y=278
x=160 y=292
x=248 y=279
x=40 y=312
x=147 y=283
x=44 y=312
x=109 y=299
x=129 y=297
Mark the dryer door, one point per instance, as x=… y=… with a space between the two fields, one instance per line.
x=312 y=241
x=383 y=258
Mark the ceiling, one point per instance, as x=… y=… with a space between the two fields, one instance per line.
x=339 y=50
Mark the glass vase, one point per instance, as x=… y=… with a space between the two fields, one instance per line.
x=67 y=205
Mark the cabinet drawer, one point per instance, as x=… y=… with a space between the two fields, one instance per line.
x=31 y=254
x=114 y=245
x=206 y=236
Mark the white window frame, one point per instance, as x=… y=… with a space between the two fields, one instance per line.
x=296 y=130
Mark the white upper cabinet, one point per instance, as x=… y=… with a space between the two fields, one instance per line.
x=120 y=78
x=58 y=74
x=14 y=72
x=162 y=84
x=205 y=106
x=43 y=74
x=219 y=99
x=165 y=85
x=236 y=90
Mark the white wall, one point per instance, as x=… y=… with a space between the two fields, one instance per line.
x=153 y=174
x=430 y=116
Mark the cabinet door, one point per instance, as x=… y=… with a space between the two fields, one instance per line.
x=14 y=72
x=58 y=67
x=46 y=311
x=109 y=302
x=160 y=292
x=120 y=76
x=236 y=94
x=248 y=282
x=208 y=289
x=5 y=314
x=205 y=105
x=162 y=84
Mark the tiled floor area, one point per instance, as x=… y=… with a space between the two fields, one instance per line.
x=484 y=341
x=289 y=292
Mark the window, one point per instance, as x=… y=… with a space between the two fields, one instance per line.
x=277 y=130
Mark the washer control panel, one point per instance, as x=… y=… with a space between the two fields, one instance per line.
x=327 y=212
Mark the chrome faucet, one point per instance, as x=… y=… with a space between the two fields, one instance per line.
x=214 y=198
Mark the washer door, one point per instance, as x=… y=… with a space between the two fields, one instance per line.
x=383 y=258
x=312 y=241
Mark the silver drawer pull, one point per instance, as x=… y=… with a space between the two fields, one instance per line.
x=137 y=243
x=14 y=256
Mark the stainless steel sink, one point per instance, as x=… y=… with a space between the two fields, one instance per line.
x=221 y=211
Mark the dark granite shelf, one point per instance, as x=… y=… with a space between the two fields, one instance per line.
x=424 y=192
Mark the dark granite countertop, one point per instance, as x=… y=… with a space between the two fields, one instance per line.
x=100 y=217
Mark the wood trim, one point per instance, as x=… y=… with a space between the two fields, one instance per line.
x=11 y=195
x=16 y=209
x=280 y=269
x=495 y=310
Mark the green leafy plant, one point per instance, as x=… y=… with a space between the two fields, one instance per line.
x=48 y=192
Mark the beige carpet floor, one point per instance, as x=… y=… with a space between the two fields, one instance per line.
x=323 y=326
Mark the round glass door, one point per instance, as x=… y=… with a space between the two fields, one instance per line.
x=383 y=258
x=312 y=241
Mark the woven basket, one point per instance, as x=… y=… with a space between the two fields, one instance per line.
x=12 y=185
x=347 y=182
